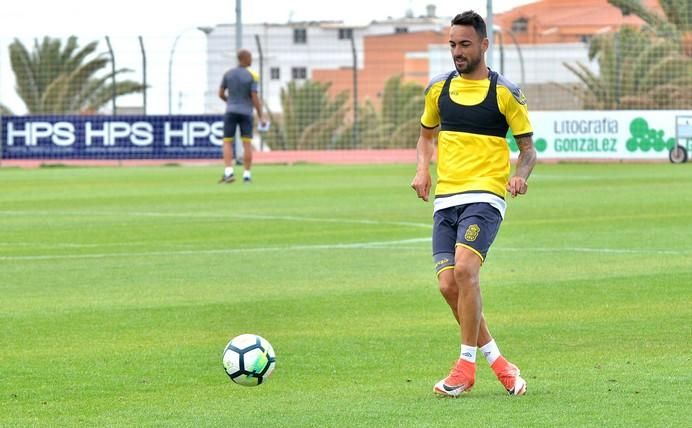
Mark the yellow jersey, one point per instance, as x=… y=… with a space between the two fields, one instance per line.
x=472 y=151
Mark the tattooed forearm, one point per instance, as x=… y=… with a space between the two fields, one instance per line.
x=527 y=157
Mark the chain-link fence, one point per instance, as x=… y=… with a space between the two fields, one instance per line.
x=87 y=74
x=326 y=85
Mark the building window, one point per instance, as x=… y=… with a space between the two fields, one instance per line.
x=520 y=26
x=400 y=30
x=300 y=36
x=299 y=73
x=345 y=33
x=275 y=73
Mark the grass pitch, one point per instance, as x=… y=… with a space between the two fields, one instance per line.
x=119 y=288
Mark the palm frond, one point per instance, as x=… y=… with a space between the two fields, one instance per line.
x=64 y=78
x=667 y=71
x=5 y=111
x=105 y=95
x=54 y=96
x=636 y=8
x=25 y=75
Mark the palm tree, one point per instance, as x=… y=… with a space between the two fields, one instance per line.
x=57 y=79
x=637 y=69
x=312 y=119
x=647 y=68
x=402 y=104
x=396 y=123
x=310 y=116
x=676 y=24
x=370 y=134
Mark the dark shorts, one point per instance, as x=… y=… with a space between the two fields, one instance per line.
x=473 y=226
x=233 y=120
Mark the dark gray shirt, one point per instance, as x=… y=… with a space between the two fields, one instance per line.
x=239 y=83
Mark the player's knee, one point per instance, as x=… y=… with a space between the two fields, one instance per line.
x=449 y=291
x=447 y=285
x=465 y=273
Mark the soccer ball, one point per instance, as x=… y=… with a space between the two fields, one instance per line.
x=249 y=359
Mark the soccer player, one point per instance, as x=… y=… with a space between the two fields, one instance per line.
x=471 y=109
x=239 y=90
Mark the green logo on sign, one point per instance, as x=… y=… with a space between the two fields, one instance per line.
x=643 y=138
x=540 y=143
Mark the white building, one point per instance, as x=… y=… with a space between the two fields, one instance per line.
x=291 y=51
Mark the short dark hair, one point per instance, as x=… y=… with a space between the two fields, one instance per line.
x=472 y=19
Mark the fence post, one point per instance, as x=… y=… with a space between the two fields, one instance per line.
x=1 y=140
x=144 y=74
x=110 y=50
x=354 y=143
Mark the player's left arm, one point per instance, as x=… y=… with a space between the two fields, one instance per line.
x=518 y=183
x=258 y=107
x=513 y=105
x=254 y=96
x=222 y=89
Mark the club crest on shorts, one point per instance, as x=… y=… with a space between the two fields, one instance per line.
x=472 y=232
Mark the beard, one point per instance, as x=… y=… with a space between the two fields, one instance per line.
x=471 y=65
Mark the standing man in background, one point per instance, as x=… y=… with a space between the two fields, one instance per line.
x=239 y=90
x=473 y=107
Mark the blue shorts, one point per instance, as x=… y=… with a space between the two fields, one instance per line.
x=473 y=226
x=233 y=120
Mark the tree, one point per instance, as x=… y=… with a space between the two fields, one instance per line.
x=402 y=105
x=396 y=123
x=65 y=79
x=642 y=68
x=637 y=70
x=676 y=22
x=310 y=117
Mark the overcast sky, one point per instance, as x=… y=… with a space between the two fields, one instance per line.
x=143 y=17
x=159 y=23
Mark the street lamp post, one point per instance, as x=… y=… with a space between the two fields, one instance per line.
x=490 y=27
x=206 y=31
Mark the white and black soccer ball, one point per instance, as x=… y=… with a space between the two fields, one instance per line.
x=249 y=359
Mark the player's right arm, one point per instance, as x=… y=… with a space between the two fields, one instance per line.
x=513 y=105
x=254 y=96
x=258 y=107
x=422 y=182
x=222 y=89
x=429 y=122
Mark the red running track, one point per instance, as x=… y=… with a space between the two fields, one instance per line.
x=274 y=157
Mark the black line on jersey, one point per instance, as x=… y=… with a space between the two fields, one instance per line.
x=469 y=191
x=528 y=134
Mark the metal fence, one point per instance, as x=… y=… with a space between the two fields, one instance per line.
x=328 y=86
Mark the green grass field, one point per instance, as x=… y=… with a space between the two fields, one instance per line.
x=119 y=288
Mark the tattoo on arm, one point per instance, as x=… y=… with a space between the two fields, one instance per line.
x=527 y=157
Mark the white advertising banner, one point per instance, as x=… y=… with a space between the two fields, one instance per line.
x=609 y=134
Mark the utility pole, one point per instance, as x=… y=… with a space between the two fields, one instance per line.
x=489 y=30
x=238 y=25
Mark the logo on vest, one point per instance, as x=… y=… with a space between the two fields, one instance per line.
x=472 y=232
